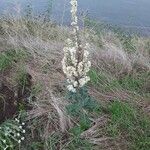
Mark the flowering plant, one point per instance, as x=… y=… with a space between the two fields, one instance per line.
x=75 y=62
x=11 y=132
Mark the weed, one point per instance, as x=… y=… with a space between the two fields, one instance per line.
x=81 y=100
x=81 y=108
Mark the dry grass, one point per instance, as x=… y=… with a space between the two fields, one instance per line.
x=44 y=42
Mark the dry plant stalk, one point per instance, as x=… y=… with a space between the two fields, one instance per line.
x=75 y=62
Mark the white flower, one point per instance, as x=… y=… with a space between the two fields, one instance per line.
x=71 y=88
x=4 y=141
x=84 y=80
x=23 y=123
x=75 y=84
x=22 y=138
x=19 y=141
x=70 y=71
x=23 y=131
x=6 y=147
x=20 y=127
x=17 y=120
x=6 y=134
x=74 y=66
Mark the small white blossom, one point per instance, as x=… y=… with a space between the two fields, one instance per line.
x=22 y=138
x=19 y=141
x=17 y=120
x=4 y=141
x=6 y=134
x=71 y=88
x=23 y=131
x=20 y=127
x=23 y=123
x=75 y=84
x=6 y=147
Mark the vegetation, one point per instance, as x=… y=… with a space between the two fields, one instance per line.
x=126 y=118
x=110 y=112
x=11 y=133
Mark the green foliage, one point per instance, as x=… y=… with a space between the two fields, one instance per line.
x=127 y=119
x=84 y=124
x=81 y=100
x=9 y=57
x=81 y=108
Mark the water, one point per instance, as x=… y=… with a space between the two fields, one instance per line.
x=130 y=13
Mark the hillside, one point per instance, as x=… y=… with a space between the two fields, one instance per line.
x=32 y=85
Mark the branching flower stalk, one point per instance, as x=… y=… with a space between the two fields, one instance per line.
x=75 y=62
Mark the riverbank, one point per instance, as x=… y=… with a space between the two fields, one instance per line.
x=30 y=67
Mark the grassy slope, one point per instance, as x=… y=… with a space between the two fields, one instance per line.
x=120 y=81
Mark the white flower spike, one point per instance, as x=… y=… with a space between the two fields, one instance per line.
x=75 y=63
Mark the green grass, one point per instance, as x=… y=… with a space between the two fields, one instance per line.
x=97 y=78
x=127 y=120
x=8 y=58
x=135 y=82
x=22 y=77
x=103 y=81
